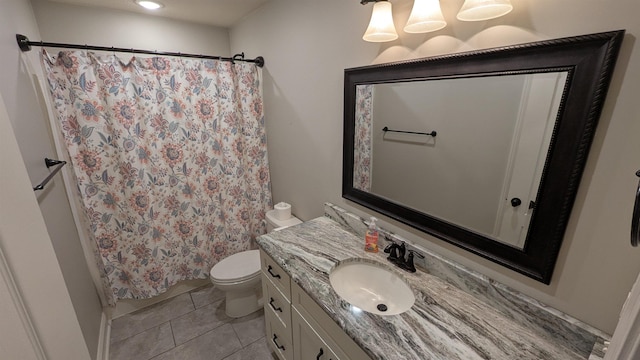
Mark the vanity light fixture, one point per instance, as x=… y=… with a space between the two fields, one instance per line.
x=149 y=5
x=479 y=10
x=381 y=27
x=426 y=16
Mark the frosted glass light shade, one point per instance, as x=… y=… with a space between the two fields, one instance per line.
x=381 y=27
x=478 y=10
x=426 y=16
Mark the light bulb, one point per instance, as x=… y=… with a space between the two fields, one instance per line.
x=150 y=5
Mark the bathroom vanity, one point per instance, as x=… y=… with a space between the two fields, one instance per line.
x=296 y=326
x=457 y=314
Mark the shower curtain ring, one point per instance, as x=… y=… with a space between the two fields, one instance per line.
x=236 y=56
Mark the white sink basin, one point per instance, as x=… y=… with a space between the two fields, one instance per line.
x=371 y=287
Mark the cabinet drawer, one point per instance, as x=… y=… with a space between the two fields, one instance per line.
x=275 y=273
x=276 y=302
x=308 y=344
x=278 y=337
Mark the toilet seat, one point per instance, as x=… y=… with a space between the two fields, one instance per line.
x=238 y=267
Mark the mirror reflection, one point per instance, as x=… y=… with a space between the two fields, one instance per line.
x=480 y=169
x=491 y=148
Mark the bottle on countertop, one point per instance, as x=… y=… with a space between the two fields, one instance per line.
x=371 y=237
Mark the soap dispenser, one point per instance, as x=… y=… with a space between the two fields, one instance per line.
x=371 y=237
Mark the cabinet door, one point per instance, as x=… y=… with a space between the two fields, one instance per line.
x=307 y=344
x=278 y=337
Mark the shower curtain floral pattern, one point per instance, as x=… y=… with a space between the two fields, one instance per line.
x=363 y=147
x=170 y=160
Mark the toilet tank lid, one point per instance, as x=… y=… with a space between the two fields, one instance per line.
x=271 y=217
x=237 y=266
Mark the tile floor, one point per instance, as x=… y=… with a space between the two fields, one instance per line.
x=190 y=326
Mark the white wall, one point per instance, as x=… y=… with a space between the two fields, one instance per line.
x=31 y=259
x=34 y=138
x=307 y=44
x=464 y=164
x=49 y=298
x=103 y=27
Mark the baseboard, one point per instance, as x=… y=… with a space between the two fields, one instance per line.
x=128 y=306
x=105 y=336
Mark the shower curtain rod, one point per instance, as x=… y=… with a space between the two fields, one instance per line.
x=25 y=45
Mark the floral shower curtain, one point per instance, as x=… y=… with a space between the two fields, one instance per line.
x=363 y=144
x=170 y=159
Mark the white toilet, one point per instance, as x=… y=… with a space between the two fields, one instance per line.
x=239 y=275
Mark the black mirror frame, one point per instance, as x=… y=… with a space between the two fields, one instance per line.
x=589 y=61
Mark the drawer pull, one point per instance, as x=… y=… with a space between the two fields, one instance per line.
x=275 y=337
x=273 y=307
x=277 y=276
x=320 y=354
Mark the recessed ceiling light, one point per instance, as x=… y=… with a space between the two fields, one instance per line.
x=151 y=5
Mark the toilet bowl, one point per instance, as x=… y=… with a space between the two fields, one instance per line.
x=238 y=275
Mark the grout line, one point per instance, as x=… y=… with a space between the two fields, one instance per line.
x=173 y=335
x=230 y=355
x=235 y=332
x=151 y=310
x=262 y=338
x=244 y=347
x=191 y=297
x=132 y=336
x=174 y=342
x=140 y=332
x=194 y=308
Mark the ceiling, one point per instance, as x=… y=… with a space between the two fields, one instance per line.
x=223 y=13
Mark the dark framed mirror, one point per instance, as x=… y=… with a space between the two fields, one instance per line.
x=483 y=149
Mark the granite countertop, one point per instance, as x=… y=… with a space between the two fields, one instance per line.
x=444 y=323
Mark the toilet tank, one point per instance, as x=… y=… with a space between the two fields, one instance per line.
x=274 y=224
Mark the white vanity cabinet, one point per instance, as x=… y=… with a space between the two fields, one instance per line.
x=307 y=343
x=276 y=292
x=297 y=328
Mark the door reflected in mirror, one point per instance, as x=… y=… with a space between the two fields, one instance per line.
x=482 y=170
